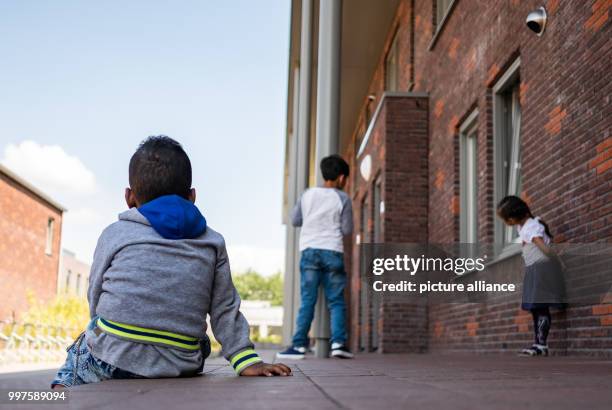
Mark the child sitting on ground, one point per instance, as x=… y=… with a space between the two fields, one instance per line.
x=157 y=273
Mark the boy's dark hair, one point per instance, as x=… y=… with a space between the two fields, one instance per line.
x=160 y=167
x=512 y=206
x=334 y=166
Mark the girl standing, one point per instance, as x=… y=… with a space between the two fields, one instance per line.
x=543 y=285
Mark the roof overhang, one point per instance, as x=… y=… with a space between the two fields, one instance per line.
x=365 y=27
x=31 y=188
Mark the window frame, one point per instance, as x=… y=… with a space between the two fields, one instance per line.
x=376 y=210
x=67 y=280
x=468 y=138
x=393 y=51
x=364 y=296
x=507 y=82
x=50 y=236
x=78 y=284
x=441 y=23
x=365 y=210
x=440 y=16
x=377 y=236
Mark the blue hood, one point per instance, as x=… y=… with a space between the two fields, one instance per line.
x=174 y=217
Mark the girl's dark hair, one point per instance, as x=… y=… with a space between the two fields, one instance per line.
x=514 y=207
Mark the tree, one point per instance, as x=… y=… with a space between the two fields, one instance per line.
x=254 y=286
x=68 y=312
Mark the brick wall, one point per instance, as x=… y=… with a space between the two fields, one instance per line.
x=24 y=265
x=398 y=148
x=497 y=326
x=566 y=145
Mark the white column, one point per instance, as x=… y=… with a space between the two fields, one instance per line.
x=291 y=237
x=328 y=112
x=328 y=86
x=298 y=179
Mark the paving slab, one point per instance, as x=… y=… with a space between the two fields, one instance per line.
x=370 y=381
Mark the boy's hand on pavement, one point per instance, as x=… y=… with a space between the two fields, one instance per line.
x=267 y=369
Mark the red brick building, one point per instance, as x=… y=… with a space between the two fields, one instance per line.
x=30 y=235
x=450 y=105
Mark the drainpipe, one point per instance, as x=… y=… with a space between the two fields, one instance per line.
x=328 y=103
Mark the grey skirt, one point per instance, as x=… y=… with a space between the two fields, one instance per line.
x=543 y=286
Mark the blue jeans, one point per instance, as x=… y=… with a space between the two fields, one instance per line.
x=320 y=266
x=89 y=368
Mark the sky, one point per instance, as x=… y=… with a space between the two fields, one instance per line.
x=82 y=83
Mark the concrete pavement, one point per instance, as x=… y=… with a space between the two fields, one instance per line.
x=371 y=381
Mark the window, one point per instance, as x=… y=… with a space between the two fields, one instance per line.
x=378 y=238
x=369 y=111
x=365 y=209
x=368 y=114
x=378 y=207
x=507 y=143
x=442 y=7
x=392 y=66
x=78 y=284
x=468 y=179
x=49 y=243
x=67 y=284
x=364 y=299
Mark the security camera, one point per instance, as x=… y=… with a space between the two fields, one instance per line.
x=536 y=21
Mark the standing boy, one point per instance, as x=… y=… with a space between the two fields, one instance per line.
x=325 y=215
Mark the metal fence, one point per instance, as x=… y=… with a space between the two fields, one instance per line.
x=22 y=342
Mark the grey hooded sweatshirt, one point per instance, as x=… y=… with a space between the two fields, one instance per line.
x=159 y=267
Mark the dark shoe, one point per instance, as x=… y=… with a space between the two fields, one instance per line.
x=535 y=350
x=341 y=351
x=293 y=353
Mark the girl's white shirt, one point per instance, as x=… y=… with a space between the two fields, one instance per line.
x=532 y=228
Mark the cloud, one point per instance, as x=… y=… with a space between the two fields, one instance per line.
x=81 y=227
x=82 y=216
x=266 y=261
x=49 y=168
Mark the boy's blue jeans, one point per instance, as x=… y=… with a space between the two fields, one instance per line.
x=321 y=266
x=81 y=367
x=88 y=369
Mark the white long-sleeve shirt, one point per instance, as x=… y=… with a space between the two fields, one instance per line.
x=325 y=215
x=533 y=228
